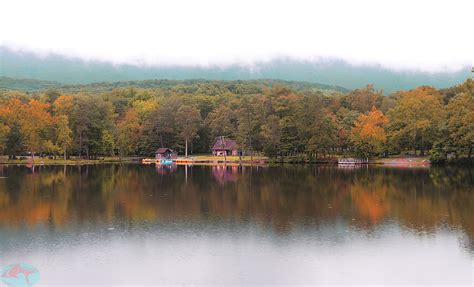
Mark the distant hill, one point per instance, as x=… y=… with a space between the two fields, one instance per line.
x=333 y=73
x=244 y=85
x=7 y=83
x=186 y=86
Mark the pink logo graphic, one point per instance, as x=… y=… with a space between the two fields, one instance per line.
x=21 y=274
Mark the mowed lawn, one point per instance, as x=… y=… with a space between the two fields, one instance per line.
x=228 y=158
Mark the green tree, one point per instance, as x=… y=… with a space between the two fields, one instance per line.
x=271 y=134
x=107 y=143
x=92 y=118
x=14 y=145
x=221 y=122
x=188 y=120
x=247 y=126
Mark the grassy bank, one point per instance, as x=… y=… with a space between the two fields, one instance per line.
x=70 y=161
x=102 y=160
x=231 y=159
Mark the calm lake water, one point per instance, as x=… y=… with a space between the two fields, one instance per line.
x=147 y=224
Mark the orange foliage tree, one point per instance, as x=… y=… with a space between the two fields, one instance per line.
x=368 y=135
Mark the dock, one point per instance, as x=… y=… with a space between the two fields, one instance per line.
x=352 y=161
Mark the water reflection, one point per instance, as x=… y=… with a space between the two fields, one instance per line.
x=421 y=200
x=73 y=222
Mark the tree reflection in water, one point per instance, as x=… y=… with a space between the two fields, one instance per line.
x=420 y=200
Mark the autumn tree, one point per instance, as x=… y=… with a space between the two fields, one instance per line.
x=129 y=132
x=362 y=100
x=276 y=118
x=188 y=119
x=4 y=132
x=63 y=134
x=460 y=119
x=63 y=105
x=51 y=148
x=271 y=134
x=368 y=134
x=35 y=124
x=345 y=121
x=415 y=119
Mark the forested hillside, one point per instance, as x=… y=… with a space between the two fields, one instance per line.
x=271 y=117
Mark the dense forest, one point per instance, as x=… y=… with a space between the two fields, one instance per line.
x=275 y=118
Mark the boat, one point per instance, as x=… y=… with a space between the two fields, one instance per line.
x=352 y=161
x=165 y=161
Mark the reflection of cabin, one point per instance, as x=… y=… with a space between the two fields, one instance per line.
x=224 y=147
x=224 y=174
x=165 y=153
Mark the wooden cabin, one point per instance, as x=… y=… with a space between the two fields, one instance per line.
x=165 y=153
x=224 y=147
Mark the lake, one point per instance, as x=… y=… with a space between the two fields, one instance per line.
x=145 y=224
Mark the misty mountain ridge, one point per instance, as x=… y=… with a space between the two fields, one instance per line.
x=185 y=86
x=336 y=75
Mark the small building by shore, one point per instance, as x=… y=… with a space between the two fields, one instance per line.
x=224 y=147
x=165 y=153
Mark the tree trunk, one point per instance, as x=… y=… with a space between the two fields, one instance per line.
x=65 y=153
x=422 y=147
x=469 y=154
x=186 y=152
x=80 y=145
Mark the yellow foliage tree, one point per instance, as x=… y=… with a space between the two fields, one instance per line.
x=415 y=118
x=129 y=132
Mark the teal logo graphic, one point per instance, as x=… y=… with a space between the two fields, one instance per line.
x=19 y=275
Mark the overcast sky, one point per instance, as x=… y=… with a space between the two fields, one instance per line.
x=397 y=34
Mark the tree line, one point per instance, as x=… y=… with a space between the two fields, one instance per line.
x=275 y=119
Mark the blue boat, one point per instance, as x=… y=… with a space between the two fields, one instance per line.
x=166 y=161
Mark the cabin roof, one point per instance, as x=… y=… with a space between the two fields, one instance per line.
x=224 y=144
x=163 y=150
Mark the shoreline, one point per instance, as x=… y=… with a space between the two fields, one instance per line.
x=209 y=160
x=215 y=160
